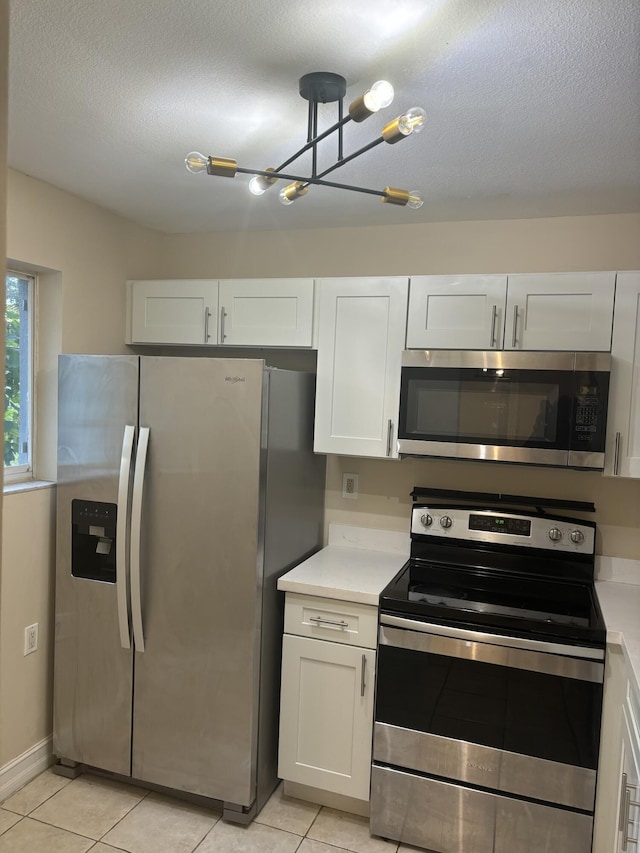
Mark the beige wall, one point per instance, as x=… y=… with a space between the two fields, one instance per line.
x=534 y=245
x=27 y=597
x=4 y=63
x=519 y=245
x=94 y=250
x=86 y=254
x=83 y=255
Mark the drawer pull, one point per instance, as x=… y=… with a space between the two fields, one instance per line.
x=319 y=620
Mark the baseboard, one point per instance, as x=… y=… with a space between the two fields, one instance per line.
x=326 y=798
x=25 y=767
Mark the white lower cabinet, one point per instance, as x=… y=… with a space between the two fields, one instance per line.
x=622 y=457
x=629 y=806
x=361 y=336
x=326 y=704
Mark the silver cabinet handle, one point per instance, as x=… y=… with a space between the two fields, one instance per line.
x=389 y=436
x=494 y=317
x=363 y=682
x=122 y=564
x=136 y=526
x=207 y=334
x=319 y=620
x=223 y=314
x=623 y=794
x=514 y=339
x=616 y=455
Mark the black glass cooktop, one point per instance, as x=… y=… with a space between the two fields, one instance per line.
x=558 y=610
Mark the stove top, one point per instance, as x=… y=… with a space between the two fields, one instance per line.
x=519 y=574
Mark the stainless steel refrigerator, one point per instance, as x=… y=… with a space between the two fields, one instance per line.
x=186 y=487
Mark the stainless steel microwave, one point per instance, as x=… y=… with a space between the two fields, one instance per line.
x=537 y=408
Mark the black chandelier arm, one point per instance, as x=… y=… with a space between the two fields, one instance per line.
x=312 y=180
x=338 y=125
x=355 y=154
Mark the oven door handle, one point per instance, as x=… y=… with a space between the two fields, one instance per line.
x=489 y=648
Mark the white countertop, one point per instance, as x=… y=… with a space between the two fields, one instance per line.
x=353 y=567
x=620 y=605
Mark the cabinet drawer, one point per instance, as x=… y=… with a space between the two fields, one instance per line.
x=346 y=622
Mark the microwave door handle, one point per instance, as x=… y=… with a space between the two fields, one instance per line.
x=122 y=565
x=136 y=525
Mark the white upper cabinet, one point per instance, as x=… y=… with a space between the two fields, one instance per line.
x=622 y=456
x=560 y=311
x=361 y=336
x=173 y=312
x=266 y=312
x=456 y=312
x=542 y=311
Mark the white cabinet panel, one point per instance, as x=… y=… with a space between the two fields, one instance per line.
x=360 y=341
x=629 y=815
x=326 y=715
x=347 y=622
x=623 y=424
x=266 y=312
x=560 y=311
x=174 y=312
x=456 y=312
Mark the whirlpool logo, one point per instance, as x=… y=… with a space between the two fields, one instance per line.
x=482 y=767
x=234 y=379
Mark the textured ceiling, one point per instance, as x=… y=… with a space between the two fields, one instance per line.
x=533 y=108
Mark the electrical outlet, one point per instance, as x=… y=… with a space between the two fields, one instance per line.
x=31 y=639
x=350 y=486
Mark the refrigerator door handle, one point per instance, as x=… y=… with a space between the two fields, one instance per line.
x=136 y=526
x=122 y=568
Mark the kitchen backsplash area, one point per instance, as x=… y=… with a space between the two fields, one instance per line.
x=384 y=499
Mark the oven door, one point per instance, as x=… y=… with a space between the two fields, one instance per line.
x=464 y=717
x=477 y=405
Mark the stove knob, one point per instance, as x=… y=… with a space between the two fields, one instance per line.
x=426 y=519
x=445 y=521
x=554 y=534
x=577 y=537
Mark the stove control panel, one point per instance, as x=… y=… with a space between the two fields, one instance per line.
x=478 y=525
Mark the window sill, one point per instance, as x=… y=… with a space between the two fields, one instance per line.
x=27 y=486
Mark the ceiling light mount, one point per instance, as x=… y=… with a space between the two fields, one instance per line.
x=325 y=87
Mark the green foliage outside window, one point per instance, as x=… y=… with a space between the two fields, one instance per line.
x=16 y=332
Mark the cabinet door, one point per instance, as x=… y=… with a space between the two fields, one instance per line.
x=266 y=312
x=456 y=312
x=174 y=312
x=560 y=311
x=326 y=715
x=629 y=816
x=623 y=423
x=360 y=340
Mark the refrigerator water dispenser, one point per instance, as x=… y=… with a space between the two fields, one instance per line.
x=93 y=540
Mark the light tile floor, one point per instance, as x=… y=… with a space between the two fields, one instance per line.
x=56 y=815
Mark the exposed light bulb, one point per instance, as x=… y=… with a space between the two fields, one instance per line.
x=412 y=121
x=292 y=191
x=415 y=200
x=196 y=162
x=379 y=96
x=259 y=184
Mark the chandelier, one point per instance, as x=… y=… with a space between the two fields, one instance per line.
x=322 y=87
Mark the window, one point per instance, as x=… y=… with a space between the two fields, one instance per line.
x=18 y=396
